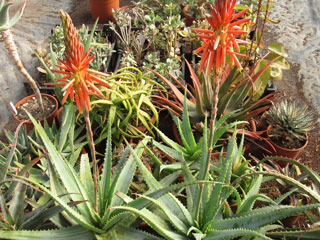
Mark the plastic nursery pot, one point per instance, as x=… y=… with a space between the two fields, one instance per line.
x=284 y=152
x=102 y=9
x=49 y=118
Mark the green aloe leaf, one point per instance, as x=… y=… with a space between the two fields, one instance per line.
x=234 y=233
x=311 y=233
x=80 y=219
x=72 y=233
x=105 y=183
x=122 y=179
x=219 y=192
x=127 y=233
x=260 y=217
x=89 y=38
x=66 y=126
x=174 y=220
x=172 y=202
x=175 y=154
x=158 y=224
x=17 y=203
x=186 y=126
x=171 y=143
x=86 y=176
x=313 y=194
x=67 y=175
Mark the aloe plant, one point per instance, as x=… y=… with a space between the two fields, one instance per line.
x=69 y=183
x=238 y=91
x=27 y=146
x=306 y=183
x=206 y=214
x=191 y=147
x=130 y=96
x=22 y=208
x=290 y=120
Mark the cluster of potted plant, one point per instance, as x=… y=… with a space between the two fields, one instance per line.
x=110 y=170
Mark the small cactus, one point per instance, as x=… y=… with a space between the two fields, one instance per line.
x=289 y=120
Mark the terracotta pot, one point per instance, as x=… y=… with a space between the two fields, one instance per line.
x=28 y=123
x=188 y=18
x=291 y=220
x=143 y=129
x=284 y=152
x=102 y=9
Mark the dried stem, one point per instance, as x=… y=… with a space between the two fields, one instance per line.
x=263 y=26
x=13 y=52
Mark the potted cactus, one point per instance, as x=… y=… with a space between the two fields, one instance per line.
x=289 y=122
x=40 y=111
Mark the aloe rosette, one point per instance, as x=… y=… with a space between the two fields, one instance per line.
x=79 y=81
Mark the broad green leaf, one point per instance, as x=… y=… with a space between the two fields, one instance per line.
x=278 y=48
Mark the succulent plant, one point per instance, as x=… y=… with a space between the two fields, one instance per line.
x=6 y=23
x=290 y=120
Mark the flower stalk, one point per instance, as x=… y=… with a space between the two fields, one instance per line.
x=79 y=82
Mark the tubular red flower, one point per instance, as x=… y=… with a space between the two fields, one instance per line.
x=220 y=41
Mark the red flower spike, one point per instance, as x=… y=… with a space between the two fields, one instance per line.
x=79 y=81
x=220 y=41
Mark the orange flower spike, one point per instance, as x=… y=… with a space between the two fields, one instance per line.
x=225 y=26
x=78 y=80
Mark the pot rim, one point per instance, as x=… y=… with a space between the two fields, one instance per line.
x=31 y=96
x=287 y=149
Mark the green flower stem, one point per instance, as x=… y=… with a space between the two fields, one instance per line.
x=213 y=118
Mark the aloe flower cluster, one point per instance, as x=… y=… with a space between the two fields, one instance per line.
x=221 y=40
x=79 y=80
